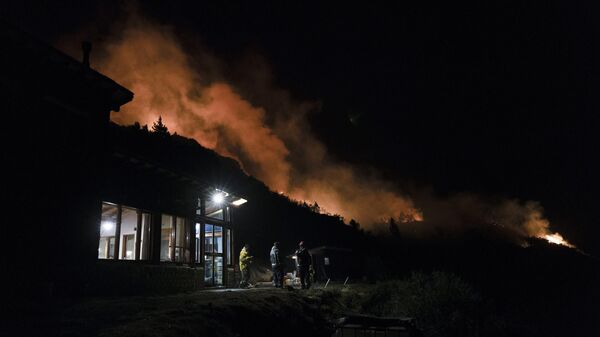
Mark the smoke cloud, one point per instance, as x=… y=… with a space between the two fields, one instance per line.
x=267 y=132
x=513 y=218
x=275 y=144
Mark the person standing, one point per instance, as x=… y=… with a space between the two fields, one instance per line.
x=304 y=261
x=276 y=266
x=245 y=261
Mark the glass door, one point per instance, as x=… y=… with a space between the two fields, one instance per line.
x=213 y=255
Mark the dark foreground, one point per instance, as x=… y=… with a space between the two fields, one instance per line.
x=255 y=312
x=441 y=303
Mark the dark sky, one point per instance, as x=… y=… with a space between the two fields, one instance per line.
x=499 y=99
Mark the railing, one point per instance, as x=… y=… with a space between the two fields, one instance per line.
x=363 y=326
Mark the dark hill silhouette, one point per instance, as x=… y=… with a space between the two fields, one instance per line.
x=542 y=289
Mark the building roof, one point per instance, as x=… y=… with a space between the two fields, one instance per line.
x=33 y=65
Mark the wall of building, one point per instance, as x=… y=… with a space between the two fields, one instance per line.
x=233 y=277
x=136 y=278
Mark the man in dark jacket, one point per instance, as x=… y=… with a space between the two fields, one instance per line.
x=304 y=261
x=276 y=266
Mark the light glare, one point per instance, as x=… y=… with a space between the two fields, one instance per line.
x=107 y=225
x=218 y=198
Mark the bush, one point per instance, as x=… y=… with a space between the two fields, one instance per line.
x=442 y=303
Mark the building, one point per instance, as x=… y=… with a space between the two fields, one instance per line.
x=89 y=210
x=168 y=203
x=93 y=207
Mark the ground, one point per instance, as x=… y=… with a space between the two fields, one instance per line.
x=254 y=312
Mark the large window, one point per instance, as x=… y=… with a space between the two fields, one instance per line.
x=166 y=237
x=126 y=234
x=146 y=238
x=229 y=248
x=181 y=240
x=174 y=239
x=198 y=250
x=213 y=254
x=211 y=209
x=208 y=238
x=123 y=233
x=218 y=239
x=129 y=219
x=108 y=224
x=216 y=214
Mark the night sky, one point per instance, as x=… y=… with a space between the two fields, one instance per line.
x=496 y=99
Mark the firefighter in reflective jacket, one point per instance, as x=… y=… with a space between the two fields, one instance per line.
x=245 y=261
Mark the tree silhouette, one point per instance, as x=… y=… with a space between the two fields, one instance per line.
x=159 y=128
x=394 y=230
x=354 y=224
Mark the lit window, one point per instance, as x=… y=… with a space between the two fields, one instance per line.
x=213 y=254
x=146 y=240
x=180 y=240
x=129 y=219
x=108 y=224
x=121 y=230
x=166 y=237
x=229 y=248
x=198 y=244
x=217 y=214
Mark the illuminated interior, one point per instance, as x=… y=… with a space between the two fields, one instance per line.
x=126 y=234
x=124 y=221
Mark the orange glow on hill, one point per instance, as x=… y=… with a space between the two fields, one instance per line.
x=556 y=238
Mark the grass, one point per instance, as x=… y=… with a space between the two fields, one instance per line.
x=442 y=304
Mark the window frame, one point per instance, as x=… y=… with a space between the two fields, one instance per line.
x=117 y=253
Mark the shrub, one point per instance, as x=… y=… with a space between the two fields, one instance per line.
x=442 y=303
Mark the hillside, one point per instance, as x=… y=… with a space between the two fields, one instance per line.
x=265 y=218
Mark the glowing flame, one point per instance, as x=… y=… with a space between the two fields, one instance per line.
x=556 y=238
x=418 y=216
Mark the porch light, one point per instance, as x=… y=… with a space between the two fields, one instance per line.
x=239 y=202
x=218 y=198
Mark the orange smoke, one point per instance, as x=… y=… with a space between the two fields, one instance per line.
x=513 y=218
x=151 y=63
x=538 y=226
x=267 y=132
x=275 y=145
x=338 y=189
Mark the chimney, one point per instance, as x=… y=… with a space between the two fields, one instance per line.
x=86 y=47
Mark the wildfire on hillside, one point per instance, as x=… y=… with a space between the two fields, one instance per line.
x=557 y=239
x=272 y=139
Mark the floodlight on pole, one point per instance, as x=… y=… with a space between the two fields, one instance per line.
x=218 y=198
